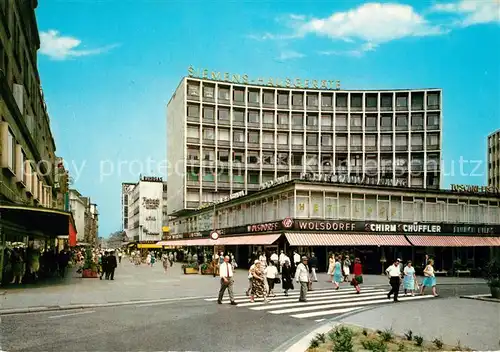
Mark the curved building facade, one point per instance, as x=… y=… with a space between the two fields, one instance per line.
x=226 y=138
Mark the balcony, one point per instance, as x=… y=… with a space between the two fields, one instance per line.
x=268 y=146
x=432 y=147
x=223 y=142
x=192 y=140
x=417 y=147
x=195 y=119
x=193 y=97
x=192 y=162
x=340 y=148
x=402 y=148
x=193 y=183
x=297 y=147
x=283 y=147
x=208 y=141
x=356 y=148
x=224 y=184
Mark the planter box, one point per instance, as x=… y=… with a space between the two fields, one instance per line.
x=88 y=273
x=189 y=271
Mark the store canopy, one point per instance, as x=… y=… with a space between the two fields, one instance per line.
x=454 y=241
x=344 y=239
x=50 y=222
x=224 y=241
x=149 y=246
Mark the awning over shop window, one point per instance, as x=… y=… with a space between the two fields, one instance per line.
x=454 y=241
x=189 y=242
x=50 y=222
x=344 y=239
x=149 y=246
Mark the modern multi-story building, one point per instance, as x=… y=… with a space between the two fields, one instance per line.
x=143 y=209
x=494 y=160
x=226 y=138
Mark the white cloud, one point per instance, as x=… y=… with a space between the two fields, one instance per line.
x=472 y=12
x=289 y=55
x=373 y=23
x=60 y=47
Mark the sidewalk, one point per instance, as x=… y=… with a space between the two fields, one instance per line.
x=143 y=283
x=473 y=323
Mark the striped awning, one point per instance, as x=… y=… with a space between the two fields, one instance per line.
x=344 y=239
x=454 y=241
x=224 y=241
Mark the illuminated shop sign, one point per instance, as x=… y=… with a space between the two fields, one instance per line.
x=354 y=180
x=475 y=189
x=151 y=179
x=409 y=228
x=300 y=83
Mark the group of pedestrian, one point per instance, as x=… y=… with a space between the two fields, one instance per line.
x=108 y=264
x=410 y=283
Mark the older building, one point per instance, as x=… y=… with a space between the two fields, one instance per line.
x=144 y=209
x=227 y=135
x=324 y=213
x=91 y=222
x=494 y=160
x=78 y=206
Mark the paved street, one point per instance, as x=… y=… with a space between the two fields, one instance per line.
x=145 y=283
x=203 y=325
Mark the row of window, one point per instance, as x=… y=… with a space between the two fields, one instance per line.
x=342 y=206
x=23 y=171
x=312 y=119
x=342 y=140
x=313 y=99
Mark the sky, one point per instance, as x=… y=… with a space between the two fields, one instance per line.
x=108 y=69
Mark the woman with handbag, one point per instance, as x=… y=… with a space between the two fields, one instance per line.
x=286 y=277
x=430 y=278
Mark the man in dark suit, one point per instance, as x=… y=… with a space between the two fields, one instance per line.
x=104 y=265
x=112 y=264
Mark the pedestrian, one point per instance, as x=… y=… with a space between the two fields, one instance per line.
x=313 y=265
x=346 y=266
x=120 y=257
x=274 y=258
x=171 y=259
x=104 y=265
x=148 y=259
x=302 y=277
x=250 y=277
x=410 y=280
x=286 y=277
x=164 y=258
x=258 y=285
x=271 y=273
x=112 y=264
x=338 y=276
x=357 y=277
x=226 y=281
x=331 y=266
x=429 y=279
x=394 y=275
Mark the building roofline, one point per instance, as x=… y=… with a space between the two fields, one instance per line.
x=423 y=191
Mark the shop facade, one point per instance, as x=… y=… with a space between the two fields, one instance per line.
x=374 y=222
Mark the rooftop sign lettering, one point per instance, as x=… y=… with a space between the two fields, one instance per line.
x=300 y=83
x=356 y=180
x=224 y=199
x=474 y=189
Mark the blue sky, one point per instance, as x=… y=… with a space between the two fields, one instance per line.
x=108 y=69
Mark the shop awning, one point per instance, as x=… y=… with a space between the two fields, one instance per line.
x=344 y=239
x=189 y=242
x=50 y=222
x=454 y=241
x=149 y=246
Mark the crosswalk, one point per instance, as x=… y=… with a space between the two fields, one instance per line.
x=320 y=303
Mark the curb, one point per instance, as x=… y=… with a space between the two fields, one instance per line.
x=95 y=305
x=484 y=298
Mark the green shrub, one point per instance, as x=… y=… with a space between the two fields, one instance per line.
x=365 y=332
x=377 y=345
x=409 y=335
x=321 y=338
x=314 y=343
x=419 y=340
x=438 y=343
x=342 y=339
x=401 y=347
x=387 y=335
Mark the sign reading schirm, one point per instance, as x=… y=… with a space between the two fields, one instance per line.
x=300 y=83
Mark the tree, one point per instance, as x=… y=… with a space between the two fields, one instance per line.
x=115 y=240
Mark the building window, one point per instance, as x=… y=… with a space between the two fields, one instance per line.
x=223 y=114
x=371 y=141
x=371 y=101
x=253 y=179
x=268 y=98
x=341 y=141
x=417 y=121
x=341 y=120
x=223 y=93
x=326 y=120
x=386 y=102
x=283 y=138
x=326 y=140
x=282 y=99
x=433 y=120
x=402 y=121
x=341 y=101
x=356 y=140
x=297 y=99
x=298 y=120
x=208 y=92
x=297 y=159
x=371 y=121
x=193 y=132
x=312 y=140
x=432 y=139
x=327 y=101
x=417 y=101
x=312 y=100
x=239 y=95
x=297 y=139
x=356 y=101
x=238 y=137
x=193 y=90
x=193 y=154
x=193 y=111
x=253 y=97
x=312 y=160
x=253 y=116
x=208 y=133
x=386 y=140
x=238 y=115
x=24 y=170
x=223 y=134
x=417 y=141
x=283 y=118
x=282 y=159
x=268 y=158
x=253 y=158
x=386 y=121
x=253 y=137
x=312 y=120
x=11 y=155
x=238 y=157
x=268 y=137
x=356 y=121
x=433 y=100
x=401 y=140
x=402 y=102
x=208 y=113
x=208 y=155
x=268 y=117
